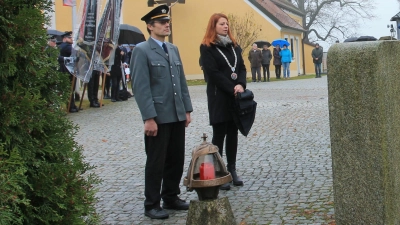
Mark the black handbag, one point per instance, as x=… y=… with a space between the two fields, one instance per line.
x=244 y=111
x=245 y=102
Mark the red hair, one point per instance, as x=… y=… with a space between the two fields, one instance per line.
x=211 y=34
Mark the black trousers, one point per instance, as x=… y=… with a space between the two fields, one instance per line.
x=72 y=96
x=93 y=87
x=164 y=165
x=266 y=70
x=230 y=131
x=107 y=85
x=256 y=73
x=278 y=71
x=115 y=80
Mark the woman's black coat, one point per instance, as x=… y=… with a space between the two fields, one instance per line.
x=220 y=85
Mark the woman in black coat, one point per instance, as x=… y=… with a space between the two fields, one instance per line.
x=277 y=62
x=222 y=61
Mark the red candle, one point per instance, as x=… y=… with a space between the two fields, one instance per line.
x=207 y=171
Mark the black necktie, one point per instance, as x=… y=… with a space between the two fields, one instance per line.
x=164 y=46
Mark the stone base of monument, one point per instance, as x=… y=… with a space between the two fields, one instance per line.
x=216 y=211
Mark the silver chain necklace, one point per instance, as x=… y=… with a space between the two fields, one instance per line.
x=233 y=75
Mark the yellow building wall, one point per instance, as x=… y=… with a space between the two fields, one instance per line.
x=63 y=16
x=189 y=22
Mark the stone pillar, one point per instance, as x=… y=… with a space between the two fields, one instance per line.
x=210 y=212
x=364 y=113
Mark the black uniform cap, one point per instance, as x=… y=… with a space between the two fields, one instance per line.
x=158 y=13
x=66 y=34
x=51 y=37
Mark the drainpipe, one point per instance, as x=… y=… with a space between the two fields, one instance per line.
x=304 y=60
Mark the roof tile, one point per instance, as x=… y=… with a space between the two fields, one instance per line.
x=283 y=18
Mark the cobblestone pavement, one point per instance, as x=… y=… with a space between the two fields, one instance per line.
x=285 y=162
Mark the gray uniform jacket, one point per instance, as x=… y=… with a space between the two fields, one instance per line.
x=159 y=83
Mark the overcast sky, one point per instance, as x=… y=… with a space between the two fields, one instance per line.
x=384 y=11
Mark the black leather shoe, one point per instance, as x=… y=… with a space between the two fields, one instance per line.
x=113 y=100
x=156 y=213
x=94 y=105
x=98 y=103
x=178 y=204
x=73 y=110
x=119 y=100
x=107 y=97
x=225 y=187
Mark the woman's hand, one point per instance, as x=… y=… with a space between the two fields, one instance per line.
x=238 y=89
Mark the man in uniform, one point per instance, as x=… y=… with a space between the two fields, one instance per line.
x=163 y=99
x=65 y=51
x=51 y=42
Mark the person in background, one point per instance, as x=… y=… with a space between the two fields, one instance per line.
x=131 y=47
x=116 y=73
x=222 y=61
x=255 y=58
x=317 y=54
x=107 y=86
x=129 y=55
x=65 y=51
x=286 y=58
x=93 y=89
x=51 y=42
x=266 y=60
x=162 y=96
x=277 y=61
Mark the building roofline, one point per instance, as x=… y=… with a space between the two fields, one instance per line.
x=280 y=14
x=288 y=6
x=396 y=17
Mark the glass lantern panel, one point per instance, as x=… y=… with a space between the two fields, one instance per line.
x=207 y=167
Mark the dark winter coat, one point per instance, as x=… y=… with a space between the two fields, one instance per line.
x=118 y=59
x=266 y=56
x=317 y=53
x=277 y=57
x=220 y=85
x=65 y=51
x=255 y=58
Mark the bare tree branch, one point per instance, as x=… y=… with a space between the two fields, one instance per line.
x=244 y=29
x=329 y=20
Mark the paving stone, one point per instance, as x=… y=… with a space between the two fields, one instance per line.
x=285 y=162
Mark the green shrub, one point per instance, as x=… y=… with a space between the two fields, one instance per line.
x=43 y=176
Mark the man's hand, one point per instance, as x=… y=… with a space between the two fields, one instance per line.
x=150 y=127
x=188 y=120
x=238 y=89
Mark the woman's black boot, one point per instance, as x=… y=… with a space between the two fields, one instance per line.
x=225 y=187
x=235 y=179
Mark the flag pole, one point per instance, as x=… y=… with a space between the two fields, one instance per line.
x=73 y=16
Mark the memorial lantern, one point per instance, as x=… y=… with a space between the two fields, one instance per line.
x=207 y=171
